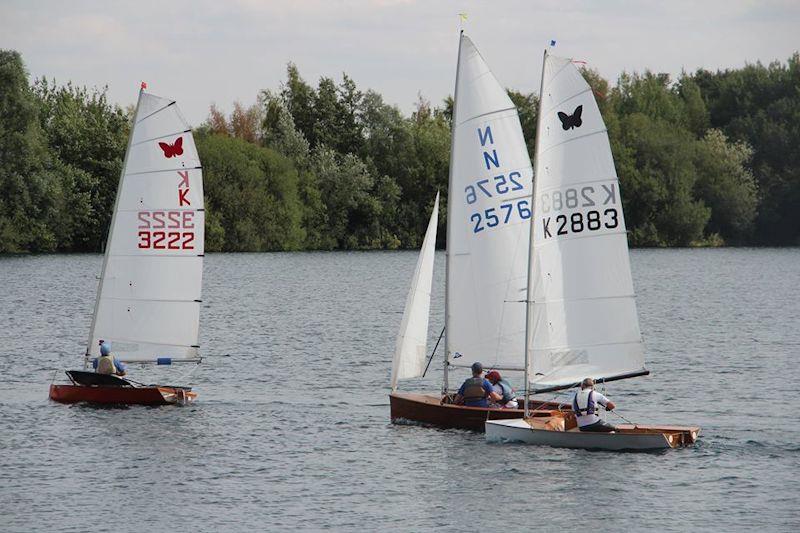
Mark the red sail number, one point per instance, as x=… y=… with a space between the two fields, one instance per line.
x=166 y=230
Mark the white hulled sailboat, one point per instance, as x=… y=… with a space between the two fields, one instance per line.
x=581 y=312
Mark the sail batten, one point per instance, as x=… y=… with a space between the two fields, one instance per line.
x=167 y=170
x=157 y=111
x=512 y=109
x=140 y=341
x=556 y=105
x=171 y=134
x=174 y=300
x=577 y=138
x=149 y=297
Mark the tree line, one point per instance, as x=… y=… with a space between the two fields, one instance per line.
x=708 y=159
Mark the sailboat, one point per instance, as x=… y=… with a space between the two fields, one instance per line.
x=148 y=300
x=581 y=310
x=488 y=225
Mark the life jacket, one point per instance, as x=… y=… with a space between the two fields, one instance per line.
x=105 y=365
x=473 y=390
x=508 y=392
x=591 y=405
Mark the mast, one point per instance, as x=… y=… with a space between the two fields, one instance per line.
x=110 y=231
x=529 y=295
x=450 y=225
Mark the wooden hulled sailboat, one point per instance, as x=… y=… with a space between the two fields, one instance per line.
x=488 y=227
x=581 y=312
x=148 y=301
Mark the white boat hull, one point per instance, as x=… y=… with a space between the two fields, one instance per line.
x=633 y=439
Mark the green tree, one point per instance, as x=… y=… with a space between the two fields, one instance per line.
x=659 y=180
x=251 y=196
x=727 y=186
x=299 y=99
x=649 y=94
x=528 y=109
x=86 y=133
x=281 y=135
x=325 y=112
x=697 y=118
x=760 y=105
x=30 y=193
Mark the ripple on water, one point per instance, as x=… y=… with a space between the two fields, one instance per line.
x=291 y=430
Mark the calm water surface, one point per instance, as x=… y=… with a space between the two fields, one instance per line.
x=292 y=425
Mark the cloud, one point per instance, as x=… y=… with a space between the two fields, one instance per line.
x=208 y=51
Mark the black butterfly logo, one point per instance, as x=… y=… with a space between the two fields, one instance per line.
x=571 y=121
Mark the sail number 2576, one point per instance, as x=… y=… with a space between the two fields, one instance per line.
x=500 y=184
x=493 y=217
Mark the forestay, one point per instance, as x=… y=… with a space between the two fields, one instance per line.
x=148 y=303
x=583 y=314
x=489 y=212
x=412 y=340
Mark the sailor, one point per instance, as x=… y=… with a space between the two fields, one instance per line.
x=107 y=363
x=477 y=391
x=585 y=406
x=504 y=389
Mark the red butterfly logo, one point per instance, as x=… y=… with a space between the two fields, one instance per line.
x=172 y=150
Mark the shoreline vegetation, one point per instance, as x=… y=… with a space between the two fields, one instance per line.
x=710 y=159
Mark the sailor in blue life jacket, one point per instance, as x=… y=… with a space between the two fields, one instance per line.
x=504 y=389
x=585 y=404
x=107 y=363
x=477 y=391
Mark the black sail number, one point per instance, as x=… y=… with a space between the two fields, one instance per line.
x=562 y=220
x=580 y=222
x=614 y=220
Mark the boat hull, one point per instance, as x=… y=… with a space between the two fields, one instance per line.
x=429 y=410
x=120 y=395
x=626 y=438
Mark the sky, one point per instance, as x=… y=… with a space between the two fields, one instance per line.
x=202 y=52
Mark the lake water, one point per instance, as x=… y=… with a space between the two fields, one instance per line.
x=291 y=429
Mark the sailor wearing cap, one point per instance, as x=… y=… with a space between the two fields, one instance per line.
x=504 y=389
x=477 y=391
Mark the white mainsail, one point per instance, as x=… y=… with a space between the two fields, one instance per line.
x=148 y=302
x=489 y=212
x=582 y=312
x=409 y=355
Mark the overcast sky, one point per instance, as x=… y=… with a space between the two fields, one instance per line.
x=206 y=51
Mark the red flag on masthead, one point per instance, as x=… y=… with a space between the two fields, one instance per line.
x=144 y=85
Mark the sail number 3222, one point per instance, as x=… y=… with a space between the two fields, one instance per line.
x=166 y=230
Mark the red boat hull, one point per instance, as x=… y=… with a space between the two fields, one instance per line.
x=429 y=409
x=120 y=395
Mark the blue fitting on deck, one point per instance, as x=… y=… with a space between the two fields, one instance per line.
x=164 y=361
x=94 y=363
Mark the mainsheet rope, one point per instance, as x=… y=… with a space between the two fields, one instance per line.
x=614 y=412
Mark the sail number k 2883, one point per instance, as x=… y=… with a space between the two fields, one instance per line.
x=166 y=230
x=577 y=222
x=590 y=208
